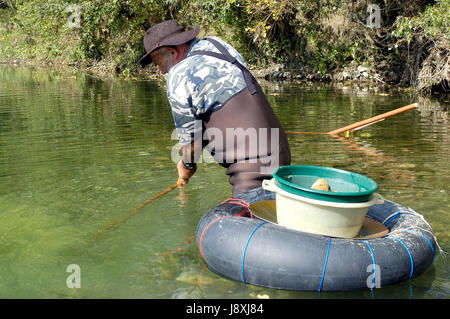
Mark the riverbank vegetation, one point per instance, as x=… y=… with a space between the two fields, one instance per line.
x=403 y=43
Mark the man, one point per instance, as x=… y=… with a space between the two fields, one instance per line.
x=217 y=104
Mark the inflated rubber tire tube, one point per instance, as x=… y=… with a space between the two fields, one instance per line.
x=256 y=252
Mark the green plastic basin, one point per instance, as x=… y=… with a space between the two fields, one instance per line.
x=347 y=187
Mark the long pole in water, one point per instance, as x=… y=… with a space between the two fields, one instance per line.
x=373 y=119
x=361 y=124
x=335 y=133
x=136 y=210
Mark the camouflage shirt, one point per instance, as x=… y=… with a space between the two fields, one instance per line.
x=199 y=84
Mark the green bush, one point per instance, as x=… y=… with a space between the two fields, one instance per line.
x=324 y=34
x=423 y=42
x=433 y=23
x=109 y=30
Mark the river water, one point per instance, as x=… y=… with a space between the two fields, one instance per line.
x=78 y=152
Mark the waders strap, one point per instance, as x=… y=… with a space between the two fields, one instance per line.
x=226 y=56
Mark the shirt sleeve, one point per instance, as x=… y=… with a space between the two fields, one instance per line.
x=199 y=84
x=179 y=93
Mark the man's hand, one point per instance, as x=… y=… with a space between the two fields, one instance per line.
x=185 y=174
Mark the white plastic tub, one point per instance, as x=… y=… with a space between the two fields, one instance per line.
x=317 y=216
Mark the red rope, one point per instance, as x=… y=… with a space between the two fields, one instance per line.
x=203 y=233
x=179 y=249
x=237 y=200
x=167 y=253
x=240 y=202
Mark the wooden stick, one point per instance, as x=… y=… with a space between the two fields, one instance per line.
x=296 y=132
x=373 y=119
x=115 y=221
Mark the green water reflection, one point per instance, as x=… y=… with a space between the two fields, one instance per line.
x=78 y=152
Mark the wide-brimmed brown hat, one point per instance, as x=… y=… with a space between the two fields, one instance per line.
x=166 y=33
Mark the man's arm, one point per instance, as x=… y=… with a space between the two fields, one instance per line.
x=190 y=156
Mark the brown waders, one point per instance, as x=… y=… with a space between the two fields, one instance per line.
x=244 y=135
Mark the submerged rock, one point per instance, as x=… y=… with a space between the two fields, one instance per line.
x=193 y=276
